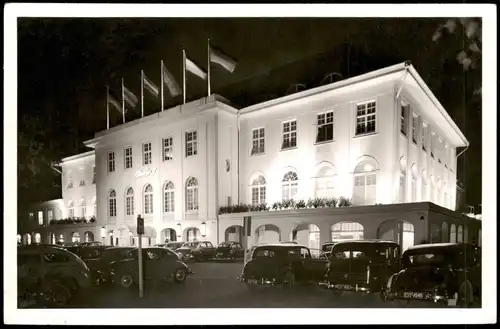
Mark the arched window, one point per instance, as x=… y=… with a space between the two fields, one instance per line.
x=325 y=182
x=414 y=176
x=425 y=186
x=75 y=237
x=71 y=209
x=453 y=233
x=365 y=182
x=89 y=236
x=258 y=190
x=402 y=179
x=112 y=203
x=83 y=207
x=347 y=231
x=129 y=202
x=192 y=194
x=289 y=186
x=168 y=197
x=460 y=234
x=148 y=199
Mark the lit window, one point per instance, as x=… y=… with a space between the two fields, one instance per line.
x=259 y=191
x=129 y=202
x=414 y=123
x=148 y=199
x=191 y=143
x=40 y=218
x=347 y=231
x=75 y=237
x=365 y=183
x=192 y=194
x=257 y=141
x=71 y=210
x=111 y=161
x=146 y=154
x=168 y=144
x=325 y=182
x=169 y=197
x=404 y=111
x=365 y=118
x=128 y=157
x=325 y=127
x=289 y=186
x=289 y=134
x=112 y=203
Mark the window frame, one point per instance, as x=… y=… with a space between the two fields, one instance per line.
x=168 y=198
x=193 y=192
x=414 y=128
x=325 y=124
x=403 y=127
x=127 y=157
x=147 y=153
x=289 y=185
x=260 y=139
x=167 y=150
x=365 y=117
x=424 y=138
x=129 y=201
x=111 y=162
x=147 y=200
x=289 y=134
x=260 y=188
x=193 y=143
x=112 y=204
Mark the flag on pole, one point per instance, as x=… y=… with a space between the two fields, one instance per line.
x=218 y=57
x=150 y=86
x=129 y=97
x=169 y=81
x=195 y=69
x=113 y=101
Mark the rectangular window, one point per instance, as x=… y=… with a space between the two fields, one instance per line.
x=325 y=127
x=365 y=189
x=129 y=205
x=93 y=174
x=50 y=215
x=404 y=114
x=168 y=144
x=112 y=207
x=146 y=154
x=257 y=141
x=192 y=199
x=40 y=218
x=258 y=195
x=289 y=134
x=111 y=161
x=84 y=210
x=414 y=131
x=191 y=143
x=71 y=212
x=169 y=201
x=424 y=137
x=128 y=157
x=366 y=118
x=148 y=203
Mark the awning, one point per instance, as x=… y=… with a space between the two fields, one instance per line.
x=148 y=231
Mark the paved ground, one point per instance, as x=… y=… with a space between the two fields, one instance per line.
x=214 y=285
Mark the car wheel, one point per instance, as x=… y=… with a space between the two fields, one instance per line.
x=180 y=275
x=465 y=294
x=125 y=280
x=56 y=294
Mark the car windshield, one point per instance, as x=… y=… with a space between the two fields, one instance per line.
x=424 y=259
x=224 y=244
x=191 y=244
x=358 y=251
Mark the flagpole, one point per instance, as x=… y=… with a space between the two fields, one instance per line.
x=123 y=100
x=142 y=93
x=184 y=76
x=162 y=82
x=107 y=107
x=208 y=65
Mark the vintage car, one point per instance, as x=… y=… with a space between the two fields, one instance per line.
x=52 y=274
x=229 y=250
x=174 y=245
x=445 y=273
x=158 y=264
x=361 y=266
x=99 y=261
x=282 y=264
x=196 y=251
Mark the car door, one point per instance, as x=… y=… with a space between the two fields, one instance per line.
x=152 y=263
x=169 y=262
x=238 y=250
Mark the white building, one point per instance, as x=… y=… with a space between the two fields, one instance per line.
x=378 y=138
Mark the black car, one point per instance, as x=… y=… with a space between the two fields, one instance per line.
x=196 y=251
x=444 y=273
x=282 y=264
x=327 y=248
x=229 y=250
x=361 y=266
x=99 y=261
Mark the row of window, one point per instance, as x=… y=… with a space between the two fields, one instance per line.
x=191 y=148
x=365 y=124
x=420 y=130
x=192 y=198
x=82 y=182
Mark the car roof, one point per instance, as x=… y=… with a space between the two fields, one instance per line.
x=446 y=245
x=120 y=247
x=367 y=241
x=282 y=245
x=41 y=248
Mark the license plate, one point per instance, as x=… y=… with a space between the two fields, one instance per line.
x=343 y=286
x=413 y=295
x=252 y=281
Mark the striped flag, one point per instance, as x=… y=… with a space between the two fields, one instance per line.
x=129 y=97
x=195 y=69
x=114 y=102
x=169 y=81
x=150 y=85
x=218 y=57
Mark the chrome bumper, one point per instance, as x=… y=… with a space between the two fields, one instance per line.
x=265 y=282
x=355 y=287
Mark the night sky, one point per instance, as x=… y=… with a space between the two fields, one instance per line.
x=65 y=64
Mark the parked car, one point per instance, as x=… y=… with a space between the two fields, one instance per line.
x=445 y=273
x=100 y=262
x=361 y=266
x=282 y=264
x=229 y=250
x=174 y=245
x=91 y=244
x=159 y=264
x=52 y=273
x=196 y=251
x=70 y=246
